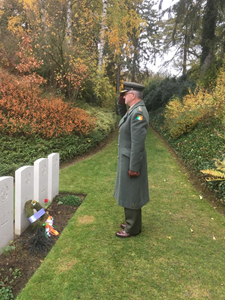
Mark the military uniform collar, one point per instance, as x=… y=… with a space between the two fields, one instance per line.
x=139 y=103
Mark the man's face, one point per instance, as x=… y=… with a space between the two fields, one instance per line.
x=129 y=97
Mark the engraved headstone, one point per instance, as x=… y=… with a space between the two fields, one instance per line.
x=41 y=180
x=53 y=175
x=6 y=210
x=24 y=191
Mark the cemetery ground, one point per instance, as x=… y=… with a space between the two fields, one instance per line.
x=179 y=254
x=17 y=264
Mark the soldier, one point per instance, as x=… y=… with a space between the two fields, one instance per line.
x=131 y=189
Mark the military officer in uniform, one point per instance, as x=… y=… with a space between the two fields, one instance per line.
x=131 y=188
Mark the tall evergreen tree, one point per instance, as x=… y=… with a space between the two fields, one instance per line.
x=182 y=32
x=197 y=32
x=211 y=26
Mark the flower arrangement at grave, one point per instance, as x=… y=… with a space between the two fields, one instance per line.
x=49 y=228
x=39 y=217
x=43 y=223
x=31 y=207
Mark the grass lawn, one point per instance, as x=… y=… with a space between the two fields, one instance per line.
x=179 y=255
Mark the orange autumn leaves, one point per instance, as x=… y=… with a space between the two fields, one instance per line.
x=23 y=112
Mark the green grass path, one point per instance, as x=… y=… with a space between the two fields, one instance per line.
x=179 y=255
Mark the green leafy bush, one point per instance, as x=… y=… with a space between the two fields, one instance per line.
x=71 y=200
x=159 y=92
x=105 y=120
x=98 y=91
x=209 y=78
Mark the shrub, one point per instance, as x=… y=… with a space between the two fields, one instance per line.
x=105 y=120
x=38 y=243
x=182 y=117
x=99 y=92
x=196 y=106
x=18 y=151
x=159 y=92
x=217 y=174
x=219 y=94
x=24 y=112
x=209 y=78
x=71 y=200
x=152 y=95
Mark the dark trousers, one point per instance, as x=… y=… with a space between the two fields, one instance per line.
x=133 y=220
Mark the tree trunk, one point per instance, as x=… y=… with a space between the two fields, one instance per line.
x=101 y=44
x=118 y=80
x=185 y=55
x=208 y=33
x=69 y=23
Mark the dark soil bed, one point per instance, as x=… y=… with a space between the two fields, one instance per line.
x=18 y=265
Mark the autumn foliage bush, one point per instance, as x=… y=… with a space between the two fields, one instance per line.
x=182 y=116
x=24 y=112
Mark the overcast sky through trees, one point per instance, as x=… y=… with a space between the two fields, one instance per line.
x=157 y=67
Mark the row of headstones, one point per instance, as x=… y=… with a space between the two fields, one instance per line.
x=37 y=182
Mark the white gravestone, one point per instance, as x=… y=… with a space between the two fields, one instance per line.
x=53 y=175
x=6 y=211
x=41 y=180
x=24 y=191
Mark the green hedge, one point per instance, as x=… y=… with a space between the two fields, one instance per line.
x=20 y=151
x=159 y=92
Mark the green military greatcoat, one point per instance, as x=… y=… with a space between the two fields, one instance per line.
x=132 y=192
